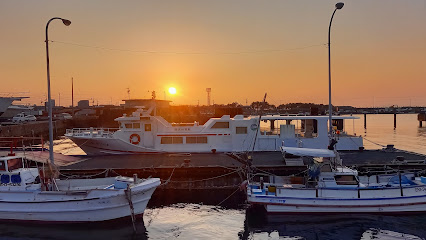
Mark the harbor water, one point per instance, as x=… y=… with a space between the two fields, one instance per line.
x=199 y=221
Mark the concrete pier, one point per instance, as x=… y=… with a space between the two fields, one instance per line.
x=394 y=121
x=421 y=117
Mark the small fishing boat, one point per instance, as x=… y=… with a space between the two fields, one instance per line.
x=330 y=187
x=34 y=194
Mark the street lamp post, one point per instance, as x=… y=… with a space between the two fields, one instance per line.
x=339 y=5
x=49 y=100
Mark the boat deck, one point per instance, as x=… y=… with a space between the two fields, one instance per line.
x=259 y=159
x=156 y=161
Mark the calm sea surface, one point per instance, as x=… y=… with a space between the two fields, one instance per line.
x=198 y=221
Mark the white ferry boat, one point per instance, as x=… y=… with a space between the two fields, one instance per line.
x=142 y=132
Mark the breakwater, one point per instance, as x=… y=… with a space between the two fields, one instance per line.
x=35 y=129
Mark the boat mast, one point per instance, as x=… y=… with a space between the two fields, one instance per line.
x=72 y=96
x=258 y=122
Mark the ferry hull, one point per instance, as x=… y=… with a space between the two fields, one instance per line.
x=100 y=146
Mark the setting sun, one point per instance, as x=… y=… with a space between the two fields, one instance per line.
x=172 y=90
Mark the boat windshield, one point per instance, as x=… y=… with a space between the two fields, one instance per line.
x=2 y=166
x=14 y=163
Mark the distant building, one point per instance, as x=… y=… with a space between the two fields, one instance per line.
x=82 y=104
x=86 y=112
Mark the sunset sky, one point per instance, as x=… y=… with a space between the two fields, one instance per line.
x=241 y=49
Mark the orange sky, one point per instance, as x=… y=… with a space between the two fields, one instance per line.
x=241 y=49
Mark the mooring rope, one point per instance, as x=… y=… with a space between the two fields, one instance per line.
x=168 y=180
x=69 y=176
x=211 y=178
x=378 y=144
x=238 y=189
x=128 y=194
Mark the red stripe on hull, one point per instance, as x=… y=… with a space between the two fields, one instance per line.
x=187 y=135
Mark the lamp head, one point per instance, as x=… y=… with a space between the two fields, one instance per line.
x=68 y=22
x=339 y=5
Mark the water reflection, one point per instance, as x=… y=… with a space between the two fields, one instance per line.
x=421 y=132
x=259 y=225
x=197 y=221
x=110 y=230
x=374 y=233
x=194 y=221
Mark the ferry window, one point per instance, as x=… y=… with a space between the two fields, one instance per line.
x=166 y=140
x=192 y=140
x=171 y=140
x=346 y=180
x=177 y=140
x=128 y=125
x=221 y=125
x=201 y=139
x=241 y=130
x=147 y=127
x=2 y=166
x=136 y=125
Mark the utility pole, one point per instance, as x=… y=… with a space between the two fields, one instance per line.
x=72 y=96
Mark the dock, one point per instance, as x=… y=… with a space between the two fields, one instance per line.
x=212 y=178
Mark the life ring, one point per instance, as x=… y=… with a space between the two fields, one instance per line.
x=132 y=139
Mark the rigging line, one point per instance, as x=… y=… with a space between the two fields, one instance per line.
x=189 y=53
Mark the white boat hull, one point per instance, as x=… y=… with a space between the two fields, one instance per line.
x=344 y=201
x=100 y=146
x=75 y=206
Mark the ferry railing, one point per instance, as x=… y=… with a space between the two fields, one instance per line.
x=92 y=132
x=267 y=185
